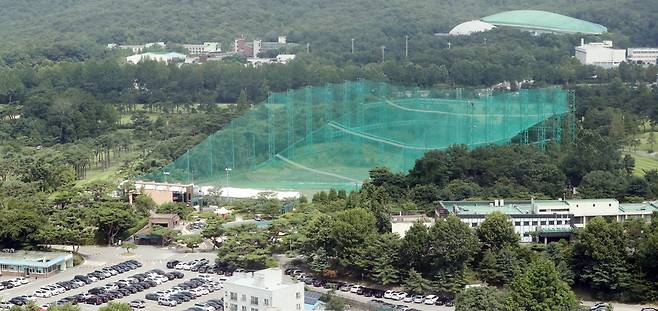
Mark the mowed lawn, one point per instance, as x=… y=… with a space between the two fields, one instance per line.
x=644 y=163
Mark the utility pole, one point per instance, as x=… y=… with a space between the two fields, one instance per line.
x=352 y=46
x=485 y=41
x=406 y=46
x=227 y=169
x=383 y=53
x=308 y=48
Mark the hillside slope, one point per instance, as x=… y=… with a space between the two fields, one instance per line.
x=40 y=23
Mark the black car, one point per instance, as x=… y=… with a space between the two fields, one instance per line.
x=97 y=291
x=83 y=278
x=170 y=276
x=132 y=289
x=94 y=300
x=172 y=264
x=178 y=275
x=19 y=301
x=7 y=285
x=367 y=292
x=378 y=293
x=152 y=296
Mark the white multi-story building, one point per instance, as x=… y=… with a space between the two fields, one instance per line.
x=643 y=55
x=264 y=290
x=136 y=48
x=546 y=219
x=205 y=48
x=600 y=54
x=157 y=57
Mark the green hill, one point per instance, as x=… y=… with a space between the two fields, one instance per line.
x=42 y=23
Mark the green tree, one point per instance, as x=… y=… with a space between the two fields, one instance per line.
x=112 y=219
x=601 y=184
x=415 y=283
x=497 y=232
x=115 y=306
x=452 y=244
x=213 y=229
x=246 y=247
x=540 y=288
x=479 y=298
x=414 y=251
x=190 y=241
x=600 y=257
x=166 y=235
x=651 y=140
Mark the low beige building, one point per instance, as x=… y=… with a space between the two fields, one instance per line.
x=165 y=192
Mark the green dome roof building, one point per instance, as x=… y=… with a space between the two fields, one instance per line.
x=542 y=21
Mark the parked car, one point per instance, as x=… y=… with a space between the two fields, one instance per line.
x=430 y=299
x=138 y=304
x=166 y=301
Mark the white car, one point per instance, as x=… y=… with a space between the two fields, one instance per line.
x=138 y=304
x=431 y=299
x=389 y=294
x=419 y=298
x=400 y=296
x=43 y=293
x=179 y=266
x=204 y=306
x=22 y=280
x=5 y=305
x=165 y=301
x=355 y=288
x=408 y=298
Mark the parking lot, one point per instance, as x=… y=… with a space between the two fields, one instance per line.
x=99 y=257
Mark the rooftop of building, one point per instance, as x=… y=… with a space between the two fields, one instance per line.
x=32 y=258
x=519 y=207
x=270 y=279
x=542 y=20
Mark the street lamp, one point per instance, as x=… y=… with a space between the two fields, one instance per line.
x=227 y=169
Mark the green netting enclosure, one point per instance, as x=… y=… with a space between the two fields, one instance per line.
x=331 y=136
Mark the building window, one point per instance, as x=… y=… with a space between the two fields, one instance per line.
x=234 y=296
x=244 y=297
x=234 y=307
x=517 y=223
x=254 y=300
x=298 y=295
x=534 y=223
x=551 y=222
x=299 y=307
x=266 y=302
x=474 y=225
x=543 y=222
x=254 y=309
x=526 y=223
x=244 y=308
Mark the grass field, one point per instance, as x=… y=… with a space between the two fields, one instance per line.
x=644 y=163
x=643 y=160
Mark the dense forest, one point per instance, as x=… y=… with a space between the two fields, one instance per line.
x=79 y=29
